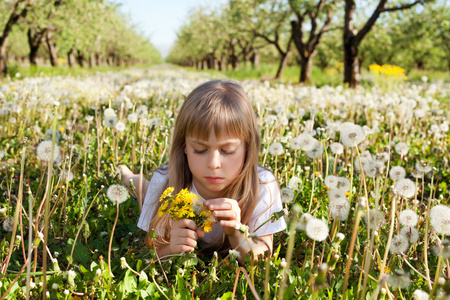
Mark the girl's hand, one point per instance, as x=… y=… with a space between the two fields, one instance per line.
x=227 y=211
x=183 y=236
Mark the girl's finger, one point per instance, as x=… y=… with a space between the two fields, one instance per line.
x=186 y=223
x=231 y=224
x=231 y=214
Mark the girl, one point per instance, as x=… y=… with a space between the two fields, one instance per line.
x=214 y=153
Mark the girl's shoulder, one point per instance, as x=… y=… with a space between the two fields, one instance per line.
x=265 y=175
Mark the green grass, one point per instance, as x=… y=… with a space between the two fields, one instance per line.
x=25 y=70
x=291 y=74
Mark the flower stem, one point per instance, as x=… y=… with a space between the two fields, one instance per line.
x=110 y=243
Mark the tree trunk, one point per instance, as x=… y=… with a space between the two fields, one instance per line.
x=256 y=59
x=71 y=57
x=205 y=64
x=306 y=65
x=34 y=41
x=80 y=58
x=92 y=59
x=223 y=63
x=52 y=50
x=216 y=64
x=3 y=66
x=351 y=61
x=283 y=62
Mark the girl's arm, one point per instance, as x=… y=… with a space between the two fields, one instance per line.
x=127 y=175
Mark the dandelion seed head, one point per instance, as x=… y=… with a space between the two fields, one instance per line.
x=399 y=244
x=317 y=229
x=307 y=142
x=287 y=195
x=397 y=173
x=120 y=126
x=420 y=295
x=276 y=149
x=132 y=118
x=402 y=148
x=294 y=183
x=339 y=208
x=343 y=184
x=44 y=151
x=8 y=224
x=405 y=188
x=331 y=181
x=337 y=148
x=410 y=233
x=89 y=118
x=399 y=280
x=440 y=219
x=423 y=167
x=109 y=112
x=336 y=194
x=66 y=176
x=376 y=218
x=110 y=121
x=295 y=144
x=352 y=135
x=316 y=152
x=301 y=225
x=408 y=218
x=234 y=254
x=117 y=193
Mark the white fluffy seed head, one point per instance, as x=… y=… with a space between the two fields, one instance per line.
x=405 y=188
x=402 y=149
x=316 y=152
x=276 y=149
x=44 y=151
x=376 y=218
x=410 y=233
x=117 y=193
x=331 y=181
x=287 y=195
x=301 y=225
x=306 y=142
x=420 y=295
x=317 y=230
x=440 y=219
x=339 y=208
x=336 y=194
x=397 y=173
x=408 y=218
x=337 y=148
x=399 y=244
x=294 y=183
x=343 y=184
x=352 y=135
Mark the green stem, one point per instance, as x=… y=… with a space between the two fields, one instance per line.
x=289 y=251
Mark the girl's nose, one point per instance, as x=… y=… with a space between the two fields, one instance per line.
x=214 y=160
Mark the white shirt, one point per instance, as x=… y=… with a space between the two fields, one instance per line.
x=269 y=202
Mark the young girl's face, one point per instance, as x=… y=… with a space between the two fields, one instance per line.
x=214 y=163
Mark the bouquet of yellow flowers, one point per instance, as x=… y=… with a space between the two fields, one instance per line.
x=186 y=205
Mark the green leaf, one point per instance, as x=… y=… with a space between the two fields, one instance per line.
x=80 y=253
x=227 y=296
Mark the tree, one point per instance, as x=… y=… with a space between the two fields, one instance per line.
x=353 y=38
x=320 y=14
x=270 y=24
x=17 y=12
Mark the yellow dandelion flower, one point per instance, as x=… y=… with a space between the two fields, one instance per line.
x=168 y=191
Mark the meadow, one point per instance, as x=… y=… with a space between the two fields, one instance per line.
x=364 y=178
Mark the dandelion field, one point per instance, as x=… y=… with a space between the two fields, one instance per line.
x=364 y=178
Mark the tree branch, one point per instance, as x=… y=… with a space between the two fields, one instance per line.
x=401 y=7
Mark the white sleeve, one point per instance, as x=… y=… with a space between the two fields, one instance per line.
x=151 y=200
x=269 y=202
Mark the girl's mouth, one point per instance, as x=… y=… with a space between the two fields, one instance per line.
x=214 y=179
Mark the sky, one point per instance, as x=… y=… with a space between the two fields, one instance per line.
x=159 y=20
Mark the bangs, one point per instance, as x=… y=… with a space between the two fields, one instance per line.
x=217 y=111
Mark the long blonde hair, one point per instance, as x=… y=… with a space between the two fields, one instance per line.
x=224 y=107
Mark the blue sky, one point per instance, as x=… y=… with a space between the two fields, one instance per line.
x=159 y=20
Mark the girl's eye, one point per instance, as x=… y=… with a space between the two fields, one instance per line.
x=228 y=152
x=199 y=151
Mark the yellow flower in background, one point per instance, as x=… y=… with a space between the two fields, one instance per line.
x=186 y=205
x=389 y=71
